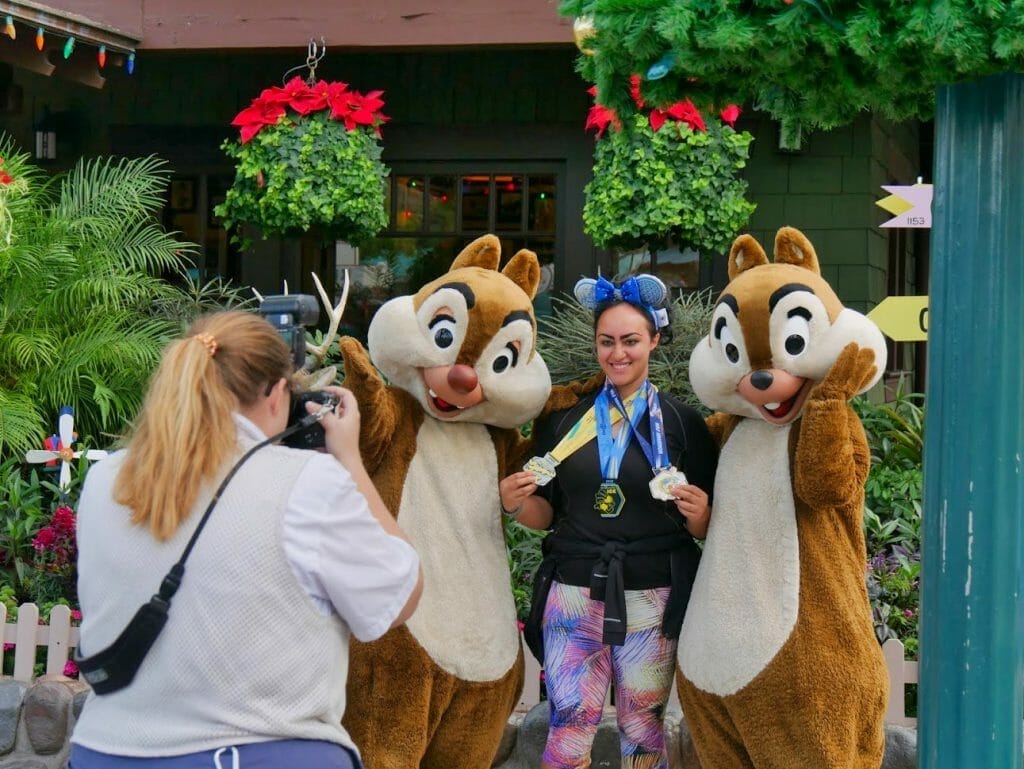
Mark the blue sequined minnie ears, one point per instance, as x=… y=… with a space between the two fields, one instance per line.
x=645 y=291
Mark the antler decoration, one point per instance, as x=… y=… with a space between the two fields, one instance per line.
x=320 y=351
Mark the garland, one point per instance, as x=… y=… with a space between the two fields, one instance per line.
x=810 y=63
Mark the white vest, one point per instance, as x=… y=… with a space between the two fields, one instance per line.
x=244 y=656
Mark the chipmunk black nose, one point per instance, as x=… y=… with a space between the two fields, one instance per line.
x=762 y=379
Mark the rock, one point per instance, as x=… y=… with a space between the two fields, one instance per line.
x=23 y=762
x=12 y=693
x=687 y=751
x=900 y=748
x=47 y=712
x=508 y=739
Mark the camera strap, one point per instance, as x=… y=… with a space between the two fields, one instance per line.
x=115 y=667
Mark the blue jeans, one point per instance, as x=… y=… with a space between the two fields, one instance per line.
x=255 y=755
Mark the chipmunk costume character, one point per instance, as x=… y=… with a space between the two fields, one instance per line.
x=464 y=374
x=778 y=663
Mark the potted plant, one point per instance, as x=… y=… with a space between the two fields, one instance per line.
x=666 y=173
x=308 y=157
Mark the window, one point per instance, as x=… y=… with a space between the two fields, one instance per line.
x=433 y=215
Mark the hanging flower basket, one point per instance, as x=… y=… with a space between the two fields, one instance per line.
x=309 y=158
x=666 y=173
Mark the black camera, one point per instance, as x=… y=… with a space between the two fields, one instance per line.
x=290 y=314
x=312 y=435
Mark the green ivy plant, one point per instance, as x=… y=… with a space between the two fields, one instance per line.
x=676 y=182
x=308 y=159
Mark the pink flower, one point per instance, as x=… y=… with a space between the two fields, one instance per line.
x=76 y=615
x=70 y=669
x=8 y=647
x=64 y=520
x=44 y=538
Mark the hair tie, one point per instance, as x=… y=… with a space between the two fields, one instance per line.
x=644 y=291
x=208 y=342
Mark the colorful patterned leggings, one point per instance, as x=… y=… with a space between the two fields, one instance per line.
x=578 y=669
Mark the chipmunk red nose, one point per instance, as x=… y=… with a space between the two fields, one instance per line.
x=462 y=378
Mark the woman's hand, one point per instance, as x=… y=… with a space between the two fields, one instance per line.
x=692 y=503
x=341 y=426
x=515 y=489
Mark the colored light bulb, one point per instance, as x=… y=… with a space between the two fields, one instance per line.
x=9 y=28
x=69 y=46
x=39 y=38
x=101 y=56
x=130 y=66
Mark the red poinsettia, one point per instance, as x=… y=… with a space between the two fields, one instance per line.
x=600 y=117
x=730 y=115
x=350 y=107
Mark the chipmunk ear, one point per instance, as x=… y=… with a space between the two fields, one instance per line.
x=745 y=254
x=793 y=247
x=483 y=252
x=523 y=269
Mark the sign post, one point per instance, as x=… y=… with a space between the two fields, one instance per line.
x=971 y=697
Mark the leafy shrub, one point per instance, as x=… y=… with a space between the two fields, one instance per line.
x=892 y=514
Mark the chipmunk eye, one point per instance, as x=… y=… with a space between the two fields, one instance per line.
x=507 y=357
x=729 y=346
x=796 y=333
x=443 y=327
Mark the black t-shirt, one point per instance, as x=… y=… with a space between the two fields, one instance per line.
x=571 y=494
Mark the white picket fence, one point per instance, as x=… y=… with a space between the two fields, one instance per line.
x=59 y=637
x=901 y=672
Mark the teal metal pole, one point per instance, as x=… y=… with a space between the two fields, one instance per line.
x=971 y=696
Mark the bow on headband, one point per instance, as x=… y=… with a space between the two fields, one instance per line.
x=644 y=291
x=627 y=291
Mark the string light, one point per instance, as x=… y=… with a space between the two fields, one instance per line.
x=39 y=38
x=130 y=66
x=69 y=46
x=9 y=28
x=101 y=56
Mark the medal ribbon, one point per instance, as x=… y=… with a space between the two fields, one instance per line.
x=612 y=448
x=656 y=449
x=585 y=429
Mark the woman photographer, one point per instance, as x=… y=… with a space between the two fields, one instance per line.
x=298 y=552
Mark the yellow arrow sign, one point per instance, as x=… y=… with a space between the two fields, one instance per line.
x=902 y=318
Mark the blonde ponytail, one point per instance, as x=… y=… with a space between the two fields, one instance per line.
x=185 y=434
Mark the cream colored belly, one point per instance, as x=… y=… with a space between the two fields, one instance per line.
x=466 y=619
x=747 y=591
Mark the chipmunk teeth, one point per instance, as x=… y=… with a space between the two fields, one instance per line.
x=772 y=406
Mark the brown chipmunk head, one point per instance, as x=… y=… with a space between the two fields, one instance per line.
x=776 y=330
x=465 y=344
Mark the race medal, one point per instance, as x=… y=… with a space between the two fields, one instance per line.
x=609 y=499
x=543 y=469
x=666 y=477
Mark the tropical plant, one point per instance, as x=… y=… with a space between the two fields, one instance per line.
x=566 y=342
x=308 y=158
x=675 y=181
x=79 y=275
x=195 y=298
x=524 y=556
